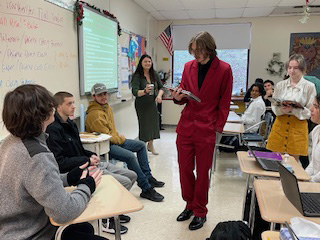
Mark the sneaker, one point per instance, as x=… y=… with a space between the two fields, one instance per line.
x=155 y=183
x=152 y=195
x=124 y=218
x=108 y=226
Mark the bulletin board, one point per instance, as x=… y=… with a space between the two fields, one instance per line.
x=38 y=44
x=132 y=47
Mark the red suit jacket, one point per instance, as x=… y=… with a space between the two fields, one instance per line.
x=210 y=115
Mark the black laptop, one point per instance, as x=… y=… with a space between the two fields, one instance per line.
x=307 y=203
x=266 y=164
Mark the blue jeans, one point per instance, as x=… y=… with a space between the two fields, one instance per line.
x=124 y=153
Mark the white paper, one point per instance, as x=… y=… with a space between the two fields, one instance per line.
x=124 y=75
x=124 y=62
x=305 y=228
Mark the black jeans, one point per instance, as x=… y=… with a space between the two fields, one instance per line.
x=80 y=231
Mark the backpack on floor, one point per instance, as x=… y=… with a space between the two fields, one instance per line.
x=231 y=230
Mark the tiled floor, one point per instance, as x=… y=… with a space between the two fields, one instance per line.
x=157 y=221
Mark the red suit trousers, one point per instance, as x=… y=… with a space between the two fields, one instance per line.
x=195 y=152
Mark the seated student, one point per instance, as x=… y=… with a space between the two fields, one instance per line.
x=313 y=168
x=252 y=115
x=32 y=189
x=65 y=143
x=247 y=97
x=100 y=119
x=268 y=86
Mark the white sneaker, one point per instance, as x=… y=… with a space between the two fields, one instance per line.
x=108 y=226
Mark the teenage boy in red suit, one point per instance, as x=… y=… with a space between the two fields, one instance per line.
x=210 y=79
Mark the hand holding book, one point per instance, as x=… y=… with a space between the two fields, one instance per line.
x=286 y=103
x=187 y=93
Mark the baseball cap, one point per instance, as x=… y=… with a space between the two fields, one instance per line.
x=98 y=88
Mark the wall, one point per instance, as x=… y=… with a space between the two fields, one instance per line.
x=269 y=35
x=135 y=19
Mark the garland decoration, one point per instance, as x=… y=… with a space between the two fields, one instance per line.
x=79 y=13
x=271 y=67
x=306 y=13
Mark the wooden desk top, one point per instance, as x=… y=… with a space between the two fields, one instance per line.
x=233 y=117
x=91 y=138
x=273 y=204
x=250 y=166
x=234 y=107
x=234 y=128
x=109 y=199
x=270 y=235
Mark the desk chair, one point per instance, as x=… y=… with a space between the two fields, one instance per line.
x=256 y=137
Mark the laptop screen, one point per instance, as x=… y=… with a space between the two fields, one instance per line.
x=290 y=187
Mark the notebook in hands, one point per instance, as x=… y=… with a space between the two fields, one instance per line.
x=265 y=164
x=307 y=203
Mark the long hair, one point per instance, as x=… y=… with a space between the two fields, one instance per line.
x=204 y=42
x=140 y=72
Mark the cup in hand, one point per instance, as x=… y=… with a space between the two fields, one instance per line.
x=151 y=86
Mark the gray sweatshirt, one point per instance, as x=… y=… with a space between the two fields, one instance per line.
x=32 y=190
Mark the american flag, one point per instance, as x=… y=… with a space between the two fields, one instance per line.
x=166 y=38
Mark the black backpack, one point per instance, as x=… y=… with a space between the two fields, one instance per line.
x=231 y=230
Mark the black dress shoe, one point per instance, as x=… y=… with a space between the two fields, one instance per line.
x=185 y=215
x=197 y=222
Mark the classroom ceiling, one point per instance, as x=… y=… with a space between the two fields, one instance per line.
x=200 y=9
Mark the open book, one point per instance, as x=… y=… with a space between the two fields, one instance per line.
x=280 y=102
x=189 y=94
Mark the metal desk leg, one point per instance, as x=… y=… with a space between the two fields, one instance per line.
x=117 y=225
x=59 y=232
x=214 y=159
x=272 y=226
x=100 y=227
x=252 y=209
x=245 y=195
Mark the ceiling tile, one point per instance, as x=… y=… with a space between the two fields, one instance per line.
x=175 y=14
x=167 y=4
x=145 y=5
x=262 y=3
x=197 y=14
x=258 y=12
x=230 y=3
x=199 y=4
x=157 y=16
x=292 y=3
x=229 y=13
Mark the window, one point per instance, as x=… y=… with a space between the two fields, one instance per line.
x=237 y=58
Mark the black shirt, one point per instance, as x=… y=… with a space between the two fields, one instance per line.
x=203 y=69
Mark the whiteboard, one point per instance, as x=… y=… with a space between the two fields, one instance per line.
x=38 y=44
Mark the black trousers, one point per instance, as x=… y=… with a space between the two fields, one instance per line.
x=80 y=231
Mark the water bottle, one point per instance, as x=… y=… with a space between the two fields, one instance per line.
x=286 y=162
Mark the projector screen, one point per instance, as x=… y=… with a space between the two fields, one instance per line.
x=98 y=51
